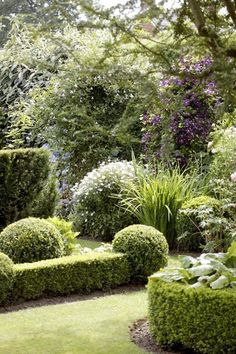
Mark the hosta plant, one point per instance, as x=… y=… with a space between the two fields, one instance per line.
x=211 y=270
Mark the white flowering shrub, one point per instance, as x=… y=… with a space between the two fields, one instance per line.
x=96 y=211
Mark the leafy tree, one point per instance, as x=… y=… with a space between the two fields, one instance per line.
x=200 y=28
x=89 y=109
x=33 y=11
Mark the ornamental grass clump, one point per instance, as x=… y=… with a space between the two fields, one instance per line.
x=96 y=213
x=155 y=198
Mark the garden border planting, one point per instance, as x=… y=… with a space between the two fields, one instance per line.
x=201 y=319
x=82 y=274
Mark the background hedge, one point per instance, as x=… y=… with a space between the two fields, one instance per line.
x=81 y=274
x=200 y=319
x=23 y=174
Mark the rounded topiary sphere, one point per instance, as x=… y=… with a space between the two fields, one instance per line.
x=6 y=276
x=146 y=249
x=31 y=240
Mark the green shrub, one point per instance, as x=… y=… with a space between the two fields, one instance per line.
x=45 y=203
x=96 y=213
x=201 y=319
x=6 y=276
x=68 y=235
x=223 y=164
x=31 y=240
x=23 y=174
x=189 y=221
x=81 y=274
x=145 y=247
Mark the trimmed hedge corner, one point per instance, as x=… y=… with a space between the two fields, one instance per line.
x=81 y=274
x=200 y=319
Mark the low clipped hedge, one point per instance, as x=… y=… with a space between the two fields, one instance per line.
x=81 y=274
x=201 y=319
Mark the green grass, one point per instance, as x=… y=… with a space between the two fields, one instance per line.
x=99 y=326
x=89 y=243
x=173 y=261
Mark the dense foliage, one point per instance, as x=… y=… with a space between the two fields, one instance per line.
x=96 y=213
x=45 y=204
x=31 y=240
x=82 y=274
x=179 y=128
x=202 y=320
x=23 y=174
x=221 y=174
x=6 y=276
x=68 y=235
x=145 y=247
x=86 y=112
x=191 y=222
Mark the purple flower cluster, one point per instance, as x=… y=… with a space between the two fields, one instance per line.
x=185 y=112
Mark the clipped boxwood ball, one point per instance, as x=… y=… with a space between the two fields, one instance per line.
x=146 y=249
x=6 y=276
x=31 y=240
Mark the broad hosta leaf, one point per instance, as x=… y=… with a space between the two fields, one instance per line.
x=201 y=270
x=187 y=261
x=220 y=283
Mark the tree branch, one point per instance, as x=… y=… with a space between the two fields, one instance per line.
x=199 y=19
x=231 y=10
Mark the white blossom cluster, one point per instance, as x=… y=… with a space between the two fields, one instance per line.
x=226 y=142
x=106 y=176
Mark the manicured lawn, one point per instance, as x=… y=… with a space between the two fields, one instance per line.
x=173 y=261
x=98 y=326
x=89 y=243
